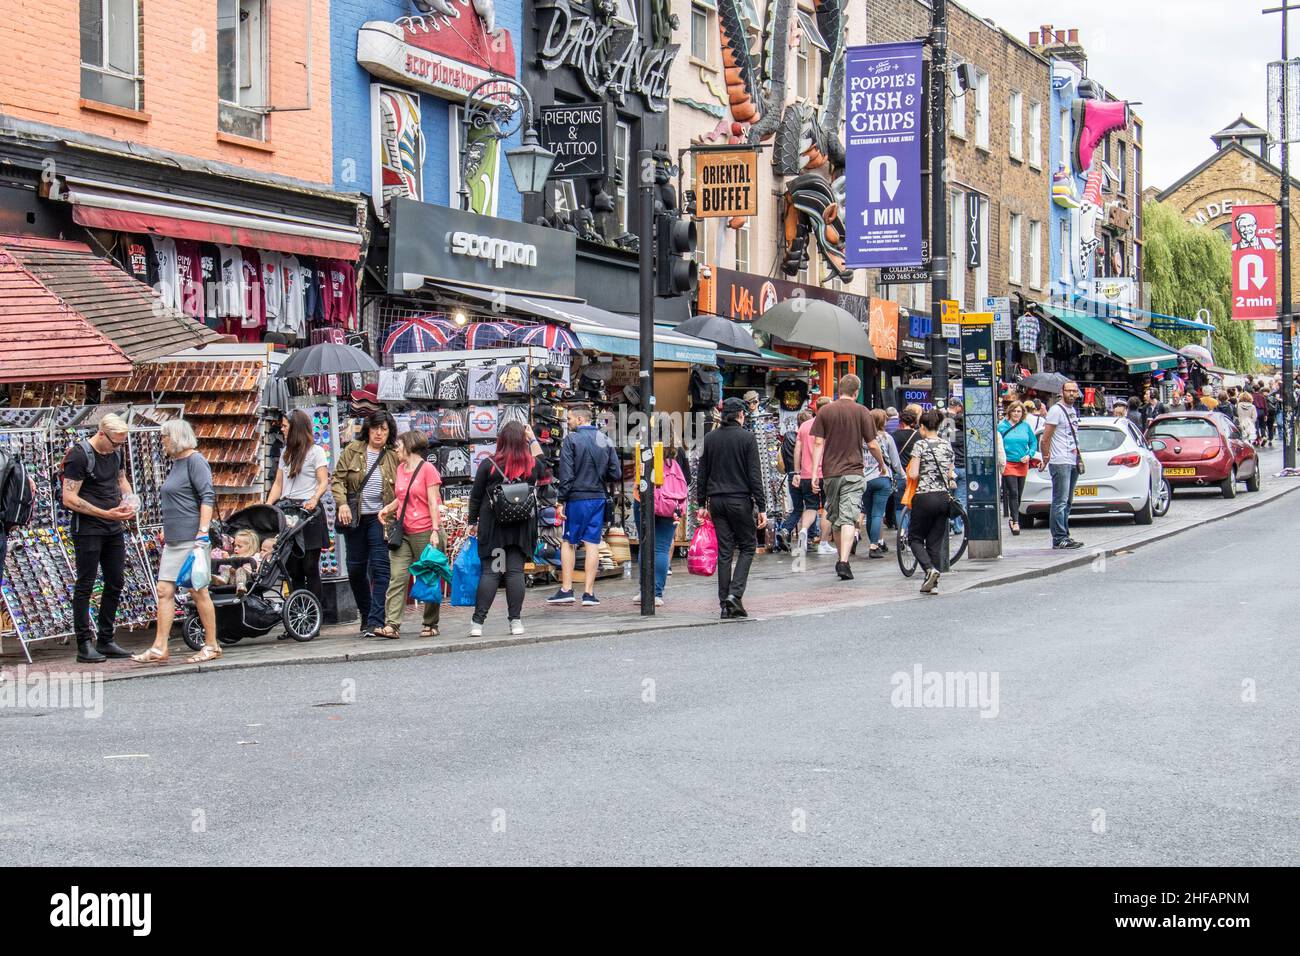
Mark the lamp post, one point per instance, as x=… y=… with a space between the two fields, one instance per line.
x=501 y=106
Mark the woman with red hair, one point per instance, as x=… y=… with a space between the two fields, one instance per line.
x=504 y=547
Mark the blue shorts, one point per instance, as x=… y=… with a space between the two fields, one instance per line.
x=584 y=520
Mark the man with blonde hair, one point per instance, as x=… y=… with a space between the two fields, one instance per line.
x=94 y=489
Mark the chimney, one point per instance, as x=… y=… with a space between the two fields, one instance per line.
x=1074 y=37
x=1033 y=38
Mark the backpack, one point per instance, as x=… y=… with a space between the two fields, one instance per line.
x=704 y=388
x=16 y=497
x=511 y=502
x=88 y=450
x=670 y=497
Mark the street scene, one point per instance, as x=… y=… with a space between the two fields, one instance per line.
x=646 y=433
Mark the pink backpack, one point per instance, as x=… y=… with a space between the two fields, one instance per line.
x=670 y=497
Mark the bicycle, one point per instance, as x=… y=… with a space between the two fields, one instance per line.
x=907 y=562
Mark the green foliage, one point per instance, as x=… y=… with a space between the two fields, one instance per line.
x=1187 y=268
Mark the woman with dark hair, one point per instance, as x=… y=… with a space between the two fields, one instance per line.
x=932 y=466
x=363 y=485
x=504 y=548
x=301 y=480
x=415 y=504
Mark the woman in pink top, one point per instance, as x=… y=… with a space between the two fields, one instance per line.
x=415 y=504
x=806 y=501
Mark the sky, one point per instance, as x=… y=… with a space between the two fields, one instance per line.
x=1194 y=65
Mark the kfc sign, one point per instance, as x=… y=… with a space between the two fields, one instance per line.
x=1254 y=262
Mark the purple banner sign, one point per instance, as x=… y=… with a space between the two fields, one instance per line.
x=883 y=165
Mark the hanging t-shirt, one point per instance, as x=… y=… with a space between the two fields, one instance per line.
x=338 y=286
x=234 y=295
x=292 y=312
x=792 y=394
x=210 y=276
x=315 y=304
x=136 y=259
x=190 y=274
x=168 y=281
x=272 y=287
x=254 y=298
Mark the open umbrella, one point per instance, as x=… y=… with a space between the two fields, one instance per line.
x=327 y=358
x=818 y=325
x=1199 y=353
x=483 y=335
x=1050 y=382
x=546 y=336
x=715 y=328
x=421 y=334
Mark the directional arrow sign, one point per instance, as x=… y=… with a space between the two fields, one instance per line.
x=1254 y=263
x=883 y=171
x=1250 y=268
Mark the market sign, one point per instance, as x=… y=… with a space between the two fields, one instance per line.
x=883 y=155
x=726 y=183
x=883 y=329
x=1254 y=262
x=426 y=53
x=744 y=297
x=1268 y=348
x=1000 y=306
x=578 y=136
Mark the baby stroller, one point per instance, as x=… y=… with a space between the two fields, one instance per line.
x=263 y=606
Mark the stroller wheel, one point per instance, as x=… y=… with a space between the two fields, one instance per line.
x=302 y=615
x=192 y=630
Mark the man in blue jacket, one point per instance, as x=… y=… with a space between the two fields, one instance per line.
x=588 y=460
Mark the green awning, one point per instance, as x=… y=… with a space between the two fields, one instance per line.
x=1138 y=352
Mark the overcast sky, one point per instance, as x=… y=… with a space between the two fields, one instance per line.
x=1194 y=64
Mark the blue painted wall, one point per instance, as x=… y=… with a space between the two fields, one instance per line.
x=350 y=102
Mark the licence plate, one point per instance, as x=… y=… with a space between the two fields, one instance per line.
x=1085 y=491
x=1180 y=472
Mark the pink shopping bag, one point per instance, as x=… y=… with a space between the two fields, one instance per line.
x=702 y=558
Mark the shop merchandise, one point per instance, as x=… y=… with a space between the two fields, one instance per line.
x=234 y=292
x=37 y=586
x=512 y=379
x=338 y=292
x=482 y=422
x=189 y=273
x=293 y=316
x=137 y=259
x=272 y=288
x=453 y=424
x=166 y=270
x=426 y=422
x=479 y=454
x=392 y=385
x=420 y=385
x=792 y=394
x=454 y=461
x=482 y=383
x=453 y=385
x=513 y=413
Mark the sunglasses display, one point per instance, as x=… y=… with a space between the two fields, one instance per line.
x=323 y=429
x=136 y=607
x=37 y=587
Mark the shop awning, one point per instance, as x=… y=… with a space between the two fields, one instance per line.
x=100 y=205
x=765 y=359
x=1139 y=352
x=126 y=312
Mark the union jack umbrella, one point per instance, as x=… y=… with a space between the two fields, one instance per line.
x=421 y=334
x=483 y=335
x=555 y=338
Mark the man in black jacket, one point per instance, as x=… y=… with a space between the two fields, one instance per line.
x=730 y=491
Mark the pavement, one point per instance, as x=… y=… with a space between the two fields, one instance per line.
x=779 y=587
x=1139 y=711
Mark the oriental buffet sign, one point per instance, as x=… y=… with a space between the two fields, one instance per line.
x=608 y=55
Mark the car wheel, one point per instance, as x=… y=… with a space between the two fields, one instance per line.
x=1229 y=485
x=1252 y=483
x=1144 y=514
x=1160 y=507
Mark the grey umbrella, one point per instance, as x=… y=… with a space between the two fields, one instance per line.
x=818 y=325
x=1050 y=382
x=327 y=358
x=714 y=328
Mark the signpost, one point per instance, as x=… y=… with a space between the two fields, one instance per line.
x=883 y=155
x=578 y=136
x=1000 y=306
x=979 y=395
x=1254 y=262
x=726 y=182
x=950 y=318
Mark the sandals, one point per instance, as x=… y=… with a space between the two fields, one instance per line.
x=429 y=631
x=391 y=633
x=151 y=656
x=207 y=654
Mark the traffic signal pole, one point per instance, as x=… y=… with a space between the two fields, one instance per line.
x=646 y=533
x=1285 y=319
x=938 y=41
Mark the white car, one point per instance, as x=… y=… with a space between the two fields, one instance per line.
x=1121 y=475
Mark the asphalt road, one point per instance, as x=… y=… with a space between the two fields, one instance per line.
x=1145 y=713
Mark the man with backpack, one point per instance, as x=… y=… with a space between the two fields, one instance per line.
x=94 y=488
x=588 y=460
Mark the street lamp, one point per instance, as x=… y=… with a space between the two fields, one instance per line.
x=501 y=106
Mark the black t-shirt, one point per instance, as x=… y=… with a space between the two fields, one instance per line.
x=101 y=490
x=792 y=393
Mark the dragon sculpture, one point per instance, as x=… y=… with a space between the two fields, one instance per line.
x=807 y=141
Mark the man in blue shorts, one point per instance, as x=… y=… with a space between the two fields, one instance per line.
x=588 y=460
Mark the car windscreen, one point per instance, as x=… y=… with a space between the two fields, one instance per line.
x=1100 y=439
x=1184 y=428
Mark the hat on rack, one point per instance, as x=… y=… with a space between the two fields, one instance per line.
x=366 y=395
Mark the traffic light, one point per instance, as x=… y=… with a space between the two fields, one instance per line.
x=676 y=270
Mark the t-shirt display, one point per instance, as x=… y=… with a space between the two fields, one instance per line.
x=167 y=271
x=844 y=425
x=792 y=394
x=189 y=272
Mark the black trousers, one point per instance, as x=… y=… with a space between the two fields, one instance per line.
x=733 y=520
x=507 y=563
x=96 y=553
x=1013 y=486
x=304 y=571
x=927 y=527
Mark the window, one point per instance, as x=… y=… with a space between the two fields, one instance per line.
x=958 y=125
x=702 y=240
x=957 y=248
x=241 y=67
x=982 y=272
x=1035 y=254
x=982 y=110
x=805 y=86
x=1036 y=135
x=700 y=45
x=1014 y=249
x=1065 y=138
x=742 y=249
x=1067 y=255
x=110 y=53
x=1122 y=168
x=1014 y=110
x=623 y=169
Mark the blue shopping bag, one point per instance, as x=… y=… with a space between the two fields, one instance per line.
x=428 y=593
x=465 y=572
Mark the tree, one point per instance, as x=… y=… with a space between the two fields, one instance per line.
x=1188 y=268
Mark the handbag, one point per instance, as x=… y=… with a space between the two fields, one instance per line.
x=354 y=501
x=955 y=509
x=513 y=502
x=396 y=532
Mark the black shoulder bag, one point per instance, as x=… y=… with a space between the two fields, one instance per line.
x=1078 y=452
x=954 y=506
x=354 y=501
x=396 y=531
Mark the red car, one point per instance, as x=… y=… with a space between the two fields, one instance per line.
x=1202 y=449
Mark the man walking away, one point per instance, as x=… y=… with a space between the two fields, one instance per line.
x=839 y=432
x=588 y=459
x=730 y=491
x=94 y=486
x=1060 y=456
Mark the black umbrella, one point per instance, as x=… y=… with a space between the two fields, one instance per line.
x=818 y=325
x=715 y=328
x=1050 y=382
x=327 y=358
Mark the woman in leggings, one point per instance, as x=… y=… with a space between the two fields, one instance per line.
x=932 y=466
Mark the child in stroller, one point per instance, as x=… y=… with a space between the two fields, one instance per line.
x=238 y=565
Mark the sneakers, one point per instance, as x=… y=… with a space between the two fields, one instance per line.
x=476 y=630
x=875 y=552
x=560 y=597
x=588 y=600
x=516 y=626
x=1069 y=544
x=659 y=602
x=827 y=548
x=843 y=570
x=931 y=582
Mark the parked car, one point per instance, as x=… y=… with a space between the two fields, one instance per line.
x=1121 y=475
x=1202 y=450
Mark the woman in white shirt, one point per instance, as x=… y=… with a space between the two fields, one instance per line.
x=300 y=481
